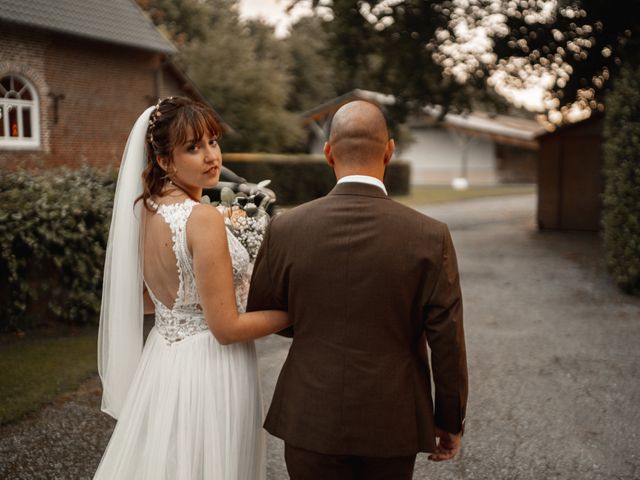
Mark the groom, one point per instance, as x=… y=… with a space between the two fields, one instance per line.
x=363 y=279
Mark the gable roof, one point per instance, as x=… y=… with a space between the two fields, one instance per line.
x=330 y=107
x=503 y=129
x=119 y=22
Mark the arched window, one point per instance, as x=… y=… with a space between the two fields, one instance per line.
x=19 y=115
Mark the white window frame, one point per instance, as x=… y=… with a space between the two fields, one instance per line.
x=20 y=143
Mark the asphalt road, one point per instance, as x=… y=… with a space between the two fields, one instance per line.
x=552 y=351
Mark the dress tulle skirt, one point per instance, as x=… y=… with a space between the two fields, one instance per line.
x=193 y=412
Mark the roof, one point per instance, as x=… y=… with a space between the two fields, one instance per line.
x=332 y=106
x=119 y=22
x=503 y=129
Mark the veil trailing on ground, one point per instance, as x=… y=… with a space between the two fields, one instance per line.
x=121 y=313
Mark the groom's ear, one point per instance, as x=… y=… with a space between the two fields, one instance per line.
x=388 y=152
x=328 y=154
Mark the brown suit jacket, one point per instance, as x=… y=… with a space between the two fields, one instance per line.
x=362 y=278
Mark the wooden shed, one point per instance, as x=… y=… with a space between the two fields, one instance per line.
x=570 y=182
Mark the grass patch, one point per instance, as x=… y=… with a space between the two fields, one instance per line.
x=34 y=371
x=423 y=195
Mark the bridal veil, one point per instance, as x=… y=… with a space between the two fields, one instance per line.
x=121 y=313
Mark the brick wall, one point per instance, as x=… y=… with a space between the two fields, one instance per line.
x=105 y=88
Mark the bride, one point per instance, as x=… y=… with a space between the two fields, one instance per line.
x=188 y=405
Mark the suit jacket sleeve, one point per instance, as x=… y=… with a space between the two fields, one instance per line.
x=267 y=290
x=445 y=335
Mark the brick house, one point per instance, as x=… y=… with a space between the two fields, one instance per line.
x=74 y=75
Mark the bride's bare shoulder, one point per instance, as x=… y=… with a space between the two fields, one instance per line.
x=205 y=220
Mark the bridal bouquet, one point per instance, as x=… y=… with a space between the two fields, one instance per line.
x=246 y=220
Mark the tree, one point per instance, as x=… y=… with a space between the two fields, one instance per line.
x=394 y=47
x=579 y=44
x=453 y=52
x=235 y=68
x=312 y=70
x=351 y=43
x=181 y=20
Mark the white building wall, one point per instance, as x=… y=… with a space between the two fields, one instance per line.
x=436 y=157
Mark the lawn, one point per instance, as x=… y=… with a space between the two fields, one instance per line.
x=35 y=369
x=423 y=195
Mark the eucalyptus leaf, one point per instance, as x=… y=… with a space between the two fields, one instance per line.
x=227 y=195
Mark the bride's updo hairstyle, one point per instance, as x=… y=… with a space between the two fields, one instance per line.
x=174 y=122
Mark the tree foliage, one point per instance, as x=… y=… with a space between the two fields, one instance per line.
x=579 y=44
x=312 y=70
x=450 y=51
x=182 y=20
x=395 y=47
x=239 y=67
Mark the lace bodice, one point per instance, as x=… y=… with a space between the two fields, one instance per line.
x=185 y=317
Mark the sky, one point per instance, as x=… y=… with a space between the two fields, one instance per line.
x=273 y=11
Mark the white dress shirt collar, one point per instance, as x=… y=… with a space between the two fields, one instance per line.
x=363 y=179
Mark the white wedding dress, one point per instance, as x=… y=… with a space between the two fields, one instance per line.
x=194 y=409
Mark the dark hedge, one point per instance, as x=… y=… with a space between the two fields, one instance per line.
x=300 y=178
x=621 y=200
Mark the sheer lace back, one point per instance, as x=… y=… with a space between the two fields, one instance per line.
x=185 y=317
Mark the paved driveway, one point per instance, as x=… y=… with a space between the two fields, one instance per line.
x=553 y=365
x=552 y=350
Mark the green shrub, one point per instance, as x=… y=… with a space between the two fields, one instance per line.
x=53 y=232
x=301 y=178
x=621 y=201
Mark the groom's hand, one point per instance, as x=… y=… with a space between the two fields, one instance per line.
x=448 y=446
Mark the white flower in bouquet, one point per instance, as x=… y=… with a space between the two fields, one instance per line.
x=246 y=220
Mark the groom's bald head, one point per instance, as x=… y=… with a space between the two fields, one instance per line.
x=359 y=134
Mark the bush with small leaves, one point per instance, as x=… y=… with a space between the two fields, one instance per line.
x=54 y=226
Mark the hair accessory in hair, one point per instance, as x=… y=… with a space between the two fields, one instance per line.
x=152 y=120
